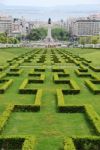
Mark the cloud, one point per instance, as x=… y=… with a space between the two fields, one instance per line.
x=49 y=2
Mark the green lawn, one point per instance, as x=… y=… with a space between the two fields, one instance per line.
x=49 y=126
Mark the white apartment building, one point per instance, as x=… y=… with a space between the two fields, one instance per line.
x=86 y=27
x=5 y=24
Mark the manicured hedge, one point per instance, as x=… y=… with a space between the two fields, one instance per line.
x=96 y=69
x=20 y=61
x=91 y=84
x=86 y=143
x=41 y=80
x=16 y=73
x=69 y=144
x=5 y=116
x=29 y=143
x=2 y=75
x=63 y=74
x=82 y=74
x=57 y=79
x=23 y=90
x=82 y=143
x=88 y=61
x=93 y=117
x=83 y=68
x=94 y=76
x=26 y=108
x=5 y=86
x=76 y=62
x=38 y=98
x=60 y=98
x=37 y=104
x=33 y=73
x=14 y=66
x=14 y=69
x=17 y=142
x=42 y=69
x=85 y=63
x=75 y=87
x=3 y=67
x=56 y=69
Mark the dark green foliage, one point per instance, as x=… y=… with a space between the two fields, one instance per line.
x=60 y=34
x=37 y=34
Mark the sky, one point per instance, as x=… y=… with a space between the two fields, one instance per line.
x=48 y=2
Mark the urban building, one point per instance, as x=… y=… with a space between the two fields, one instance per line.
x=86 y=27
x=19 y=27
x=6 y=24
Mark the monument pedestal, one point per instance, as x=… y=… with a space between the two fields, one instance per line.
x=49 y=41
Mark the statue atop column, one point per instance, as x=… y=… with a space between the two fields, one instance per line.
x=49 y=40
x=49 y=21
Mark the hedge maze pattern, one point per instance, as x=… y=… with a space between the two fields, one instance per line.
x=50 y=71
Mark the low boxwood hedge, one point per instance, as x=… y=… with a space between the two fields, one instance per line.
x=69 y=144
x=17 y=142
x=91 y=84
x=16 y=73
x=86 y=143
x=5 y=116
x=82 y=74
x=5 y=86
x=96 y=69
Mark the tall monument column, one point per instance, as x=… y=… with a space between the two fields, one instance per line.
x=49 y=36
x=49 y=30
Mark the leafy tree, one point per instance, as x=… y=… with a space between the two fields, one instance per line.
x=37 y=34
x=60 y=34
x=4 y=39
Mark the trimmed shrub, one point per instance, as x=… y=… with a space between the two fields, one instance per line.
x=16 y=73
x=25 y=108
x=56 y=78
x=93 y=117
x=3 y=75
x=82 y=74
x=29 y=143
x=14 y=66
x=83 y=68
x=56 y=69
x=74 y=86
x=94 y=76
x=37 y=103
x=85 y=63
x=5 y=86
x=87 y=143
x=69 y=144
x=17 y=142
x=3 y=67
x=42 y=69
x=96 y=69
x=30 y=108
x=22 y=89
x=91 y=84
x=41 y=80
x=71 y=109
x=5 y=116
x=60 y=99
x=76 y=62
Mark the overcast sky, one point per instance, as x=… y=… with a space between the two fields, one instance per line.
x=48 y=2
